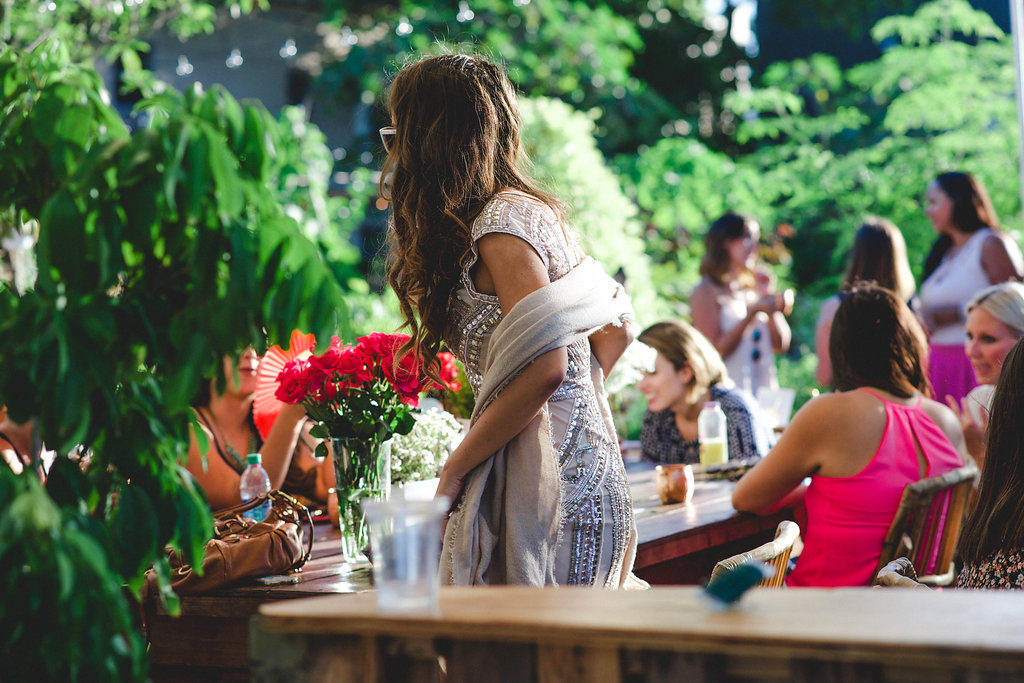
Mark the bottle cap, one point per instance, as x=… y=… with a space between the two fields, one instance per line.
x=711 y=405
x=254 y=459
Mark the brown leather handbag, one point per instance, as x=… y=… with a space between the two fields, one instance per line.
x=243 y=549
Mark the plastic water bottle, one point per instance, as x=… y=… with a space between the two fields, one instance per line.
x=711 y=431
x=255 y=482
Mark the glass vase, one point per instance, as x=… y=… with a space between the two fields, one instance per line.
x=362 y=469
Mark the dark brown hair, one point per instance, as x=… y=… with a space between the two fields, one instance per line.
x=731 y=226
x=456 y=145
x=972 y=211
x=877 y=342
x=997 y=522
x=879 y=255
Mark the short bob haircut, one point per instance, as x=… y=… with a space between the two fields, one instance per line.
x=730 y=226
x=681 y=344
x=877 y=342
x=997 y=522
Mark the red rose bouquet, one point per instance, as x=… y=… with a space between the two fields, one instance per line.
x=359 y=396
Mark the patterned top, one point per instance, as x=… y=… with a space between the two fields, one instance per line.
x=998 y=570
x=597 y=531
x=749 y=436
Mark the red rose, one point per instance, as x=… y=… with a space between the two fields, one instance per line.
x=329 y=360
x=381 y=348
x=293 y=381
x=354 y=365
x=405 y=377
x=448 y=371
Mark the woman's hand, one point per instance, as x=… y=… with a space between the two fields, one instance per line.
x=449 y=486
x=974 y=432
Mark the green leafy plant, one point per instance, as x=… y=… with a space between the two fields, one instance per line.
x=158 y=252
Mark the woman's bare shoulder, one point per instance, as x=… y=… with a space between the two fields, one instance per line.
x=945 y=418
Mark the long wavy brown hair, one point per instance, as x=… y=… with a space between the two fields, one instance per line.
x=456 y=145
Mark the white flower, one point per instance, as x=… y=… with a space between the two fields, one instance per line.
x=420 y=454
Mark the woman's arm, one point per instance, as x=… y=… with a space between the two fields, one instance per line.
x=609 y=343
x=280 y=445
x=778 y=330
x=776 y=481
x=220 y=482
x=515 y=270
x=998 y=262
x=706 y=313
x=823 y=375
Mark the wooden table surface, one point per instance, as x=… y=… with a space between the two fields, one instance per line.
x=678 y=544
x=870 y=631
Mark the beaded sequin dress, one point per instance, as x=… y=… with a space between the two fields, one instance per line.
x=598 y=537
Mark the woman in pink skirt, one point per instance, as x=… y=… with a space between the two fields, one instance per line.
x=969 y=254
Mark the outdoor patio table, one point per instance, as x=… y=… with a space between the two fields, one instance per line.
x=677 y=544
x=506 y=633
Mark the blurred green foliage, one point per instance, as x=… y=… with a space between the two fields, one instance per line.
x=157 y=252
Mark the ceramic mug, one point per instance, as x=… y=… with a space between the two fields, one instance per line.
x=674 y=483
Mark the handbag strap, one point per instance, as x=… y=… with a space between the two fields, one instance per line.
x=277 y=498
x=281 y=496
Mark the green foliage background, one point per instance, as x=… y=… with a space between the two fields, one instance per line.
x=211 y=228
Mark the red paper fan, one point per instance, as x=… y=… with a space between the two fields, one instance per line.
x=266 y=407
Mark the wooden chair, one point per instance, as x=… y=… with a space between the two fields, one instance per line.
x=775 y=553
x=899 y=573
x=927 y=524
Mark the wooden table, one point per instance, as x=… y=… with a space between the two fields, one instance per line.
x=210 y=639
x=665 y=634
x=678 y=544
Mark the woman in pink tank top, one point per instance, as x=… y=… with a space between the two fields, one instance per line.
x=860 y=446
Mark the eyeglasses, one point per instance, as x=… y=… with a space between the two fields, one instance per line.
x=387 y=133
x=755 y=355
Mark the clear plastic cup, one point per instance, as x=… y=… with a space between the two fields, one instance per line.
x=405 y=544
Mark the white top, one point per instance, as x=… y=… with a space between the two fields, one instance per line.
x=955 y=282
x=751 y=365
x=980 y=397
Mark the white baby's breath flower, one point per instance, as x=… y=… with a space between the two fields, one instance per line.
x=420 y=454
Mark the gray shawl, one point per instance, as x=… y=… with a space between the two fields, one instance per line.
x=505 y=529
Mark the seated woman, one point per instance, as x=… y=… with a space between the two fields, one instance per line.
x=995 y=321
x=861 y=446
x=992 y=542
x=688 y=372
x=226 y=419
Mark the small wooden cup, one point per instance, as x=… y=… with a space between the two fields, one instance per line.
x=674 y=483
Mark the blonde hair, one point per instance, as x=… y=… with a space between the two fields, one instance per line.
x=1005 y=302
x=681 y=344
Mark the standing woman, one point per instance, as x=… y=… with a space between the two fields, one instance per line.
x=483 y=262
x=878 y=255
x=969 y=254
x=736 y=306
